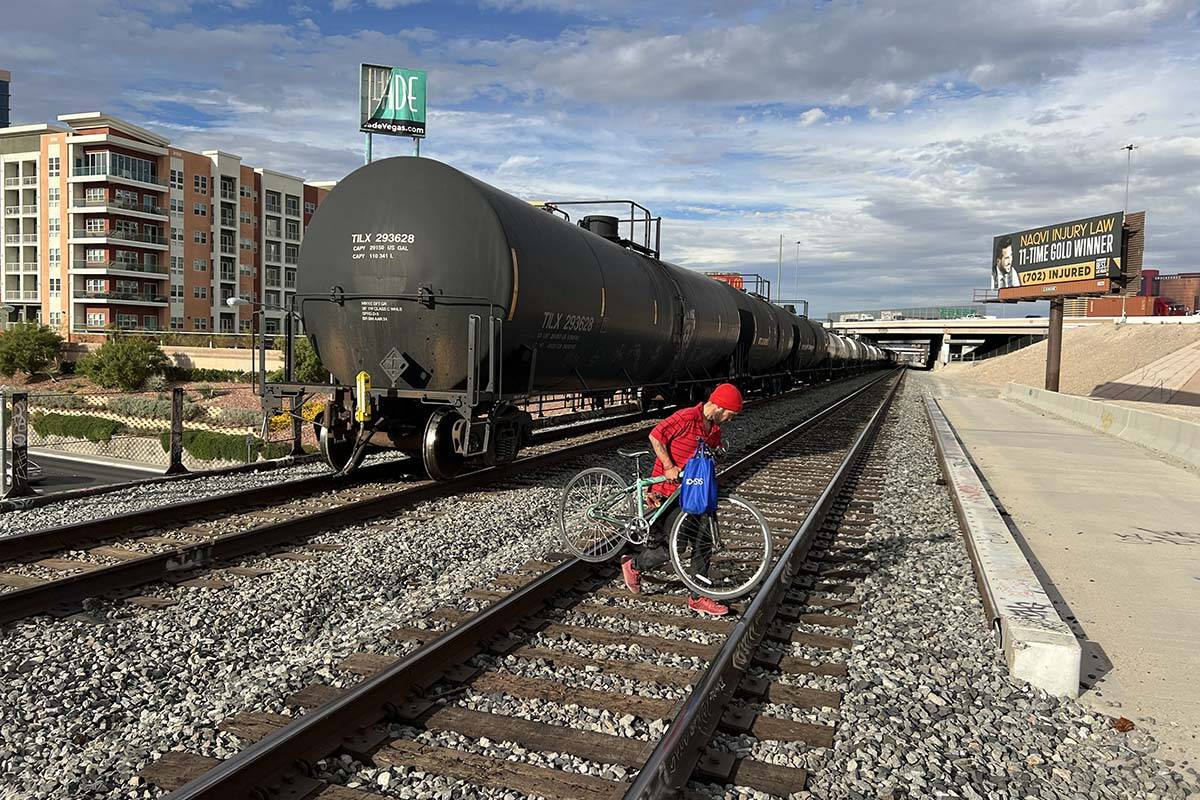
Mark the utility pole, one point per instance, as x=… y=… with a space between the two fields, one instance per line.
x=779 y=273
x=1129 y=148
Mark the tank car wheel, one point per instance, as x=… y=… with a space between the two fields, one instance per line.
x=438 y=454
x=336 y=451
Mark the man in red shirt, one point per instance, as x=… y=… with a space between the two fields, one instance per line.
x=674 y=441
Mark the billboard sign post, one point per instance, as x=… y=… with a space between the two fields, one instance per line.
x=391 y=101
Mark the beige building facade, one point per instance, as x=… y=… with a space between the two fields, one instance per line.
x=107 y=226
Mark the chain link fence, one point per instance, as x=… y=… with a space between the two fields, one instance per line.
x=177 y=430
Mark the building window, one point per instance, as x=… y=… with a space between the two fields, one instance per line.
x=149 y=321
x=127 y=321
x=177 y=292
x=94 y=226
x=244 y=190
x=126 y=197
x=200 y=292
x=52 y=196
x=176 y=179
x=200 y=323
x=176 y=207
x=176 y=323
x=200 y=265
x=55 y=226
x=272 y=298
x=95 y=255
x=291 y=205
x=272 y=253
x=200 y=209
x=176 y=264
x=200 y=184
x=94 y=196
x=53 y=167
x=127 y=258
x=94 y=285
x=127 y=287
x=176 y=234
x=55 y=256
x=56 y=319
x=310 y=207
x=128 y=228
x=200 y=237
x=55 y=287
x=272 y=326
x=291 y=253
x=292 y=230
x=95 y=319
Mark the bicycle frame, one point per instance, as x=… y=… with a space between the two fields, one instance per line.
x=638 y=486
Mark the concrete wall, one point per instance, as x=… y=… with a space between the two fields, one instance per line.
x=230 y=358
x=1175 y=437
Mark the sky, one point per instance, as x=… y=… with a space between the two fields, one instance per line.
x=891 y=140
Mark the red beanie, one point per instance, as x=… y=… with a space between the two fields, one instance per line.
x=727 y=397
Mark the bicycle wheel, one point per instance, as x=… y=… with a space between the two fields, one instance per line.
x=592 y=514
x=723 y=555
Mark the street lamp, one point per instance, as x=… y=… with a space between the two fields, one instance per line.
x=259 y=308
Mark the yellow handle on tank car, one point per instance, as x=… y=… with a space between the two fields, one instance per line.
x=362 y=396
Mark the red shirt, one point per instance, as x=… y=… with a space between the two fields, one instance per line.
x=681 y=433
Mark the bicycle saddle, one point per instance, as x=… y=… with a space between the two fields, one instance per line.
x=629 y=453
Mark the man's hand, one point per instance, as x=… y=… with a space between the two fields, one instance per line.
x=672 y=473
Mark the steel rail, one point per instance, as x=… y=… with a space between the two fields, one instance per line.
x=31 y=600
x=253 y=771
x=674 y=759
x=73 y=536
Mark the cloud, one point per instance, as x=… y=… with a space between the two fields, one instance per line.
x=700 y=114
x=812 y=116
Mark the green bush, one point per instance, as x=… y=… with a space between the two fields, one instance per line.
x=185 y=374
x=250 y=417
x=209 y=446
x=151 y=407
x=56 y=401
x=28 y=347
x=124 y=362
x=94 y=429
x=308 y=367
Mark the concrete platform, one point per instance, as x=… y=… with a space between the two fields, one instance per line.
x=1038 y=645
x=1114 y=533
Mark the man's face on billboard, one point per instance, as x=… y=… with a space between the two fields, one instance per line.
x=1006 y=259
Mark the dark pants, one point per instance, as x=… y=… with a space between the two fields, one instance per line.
x=693 y=535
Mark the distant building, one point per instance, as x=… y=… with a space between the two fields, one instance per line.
x=106 y=225
x=5 y=98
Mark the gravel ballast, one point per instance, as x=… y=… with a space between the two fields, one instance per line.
x=929 y=707
x=90 y=699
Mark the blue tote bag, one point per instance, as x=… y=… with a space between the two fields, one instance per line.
x=698 y=494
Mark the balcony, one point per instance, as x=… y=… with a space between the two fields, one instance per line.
x=228 y=249
x=123 y=297
x=10 y=183
x=273 y=209
x=228 y=222
x=228 y=194
x=13 y=211
x=292 y=237
x=29 y=180
x=27 y=266
x=20 y=238
x=79 y=204
x=293 y=211
x=228 y=275
x=272 y=277
x=102 y=267
x=124 y=236
x=23 y=296
x=108 y=173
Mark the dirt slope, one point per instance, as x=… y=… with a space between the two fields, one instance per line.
x=1092 y=355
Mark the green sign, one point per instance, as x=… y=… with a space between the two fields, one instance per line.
x=392 y=100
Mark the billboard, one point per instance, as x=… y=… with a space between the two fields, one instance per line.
x=1081 y=256
x=391 y=100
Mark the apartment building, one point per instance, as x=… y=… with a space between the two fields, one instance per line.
x=106 y=225
x=5 y=100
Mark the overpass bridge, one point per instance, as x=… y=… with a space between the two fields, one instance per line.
x=944 y=339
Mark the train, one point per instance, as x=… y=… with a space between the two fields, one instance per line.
x=441 y=306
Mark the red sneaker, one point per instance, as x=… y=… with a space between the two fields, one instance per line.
x=633 y=577
x=706 y=605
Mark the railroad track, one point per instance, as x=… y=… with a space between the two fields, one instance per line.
x=53 y=570
x=553 y=633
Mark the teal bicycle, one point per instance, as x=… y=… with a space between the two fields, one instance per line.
x=723 y=555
